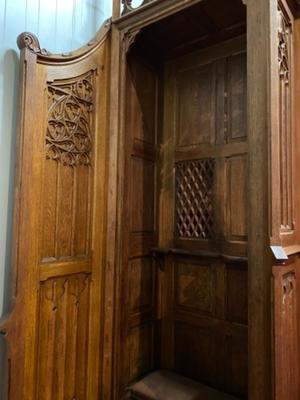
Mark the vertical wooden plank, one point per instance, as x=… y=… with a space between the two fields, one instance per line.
x=262 y=61
x=60 y=338
x=64 y=211
x=49 y=210
x=47 y=326
x=82 y=334
x=81 y=212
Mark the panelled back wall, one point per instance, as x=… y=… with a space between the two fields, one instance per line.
x=61 y=27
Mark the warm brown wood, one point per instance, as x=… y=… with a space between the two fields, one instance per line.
x=164 y=232
x=54 y=332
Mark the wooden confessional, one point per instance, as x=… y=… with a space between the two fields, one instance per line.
x=157 y=224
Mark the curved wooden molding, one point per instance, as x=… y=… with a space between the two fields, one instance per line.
x=63 y=94
x=30 y=41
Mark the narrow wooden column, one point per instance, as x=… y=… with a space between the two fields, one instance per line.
x=262 y=64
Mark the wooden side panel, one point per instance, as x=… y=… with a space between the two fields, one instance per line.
x=56 y=326
x=286 y=327
x=63 y=329
x=138 y=273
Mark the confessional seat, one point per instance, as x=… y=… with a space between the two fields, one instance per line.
x=165 y=385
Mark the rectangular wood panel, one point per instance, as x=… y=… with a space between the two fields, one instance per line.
x=237 y=293
x=236 y=198
x=139 y=351
x=142 y=188
x=142 y=97
x=195 y=287
x=63 y=329
x=236 y=97
x=196 y=105
x=141 y=284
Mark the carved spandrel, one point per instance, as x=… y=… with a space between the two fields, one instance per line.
x=70 y=107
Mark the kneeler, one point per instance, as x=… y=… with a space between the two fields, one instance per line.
x=165 y=385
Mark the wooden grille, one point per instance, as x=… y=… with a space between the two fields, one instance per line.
x=194 y=199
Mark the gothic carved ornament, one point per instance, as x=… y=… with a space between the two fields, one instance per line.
x=68 y=137
x=284 y=32
x=30 y=41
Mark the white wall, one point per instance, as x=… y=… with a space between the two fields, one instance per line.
x=61 y=26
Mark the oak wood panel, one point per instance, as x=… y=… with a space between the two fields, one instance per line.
x=52 y=353
x=141 y=280
x=226 y=113
x=195 y=287
x=63 y=329
x=286 y=329
x=139 y=348
x=206 y=300
x=236 y=198
x=195 y=97
x=142 y=195
x=138 y=275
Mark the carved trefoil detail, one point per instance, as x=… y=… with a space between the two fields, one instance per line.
x=285 y=32
x=70 y=107
x=194 y=199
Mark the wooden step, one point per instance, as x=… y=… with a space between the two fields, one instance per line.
x=166 y=385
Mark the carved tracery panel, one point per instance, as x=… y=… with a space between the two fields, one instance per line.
x=70 y=106
x=285 y=116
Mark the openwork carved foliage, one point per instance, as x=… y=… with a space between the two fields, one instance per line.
x=194 y=199
x=284 y=32
x=285 y=64
x=70 y=105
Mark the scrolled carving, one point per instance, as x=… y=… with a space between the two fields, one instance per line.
x=30 y=41
x=68 y=137
x=284 y=32
x=127 y=5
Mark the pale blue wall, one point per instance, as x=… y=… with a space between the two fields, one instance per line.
x=61 y=25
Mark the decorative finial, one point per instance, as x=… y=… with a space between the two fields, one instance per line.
x=29 y=40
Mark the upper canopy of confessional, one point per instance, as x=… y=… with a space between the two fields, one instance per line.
x=124 y=7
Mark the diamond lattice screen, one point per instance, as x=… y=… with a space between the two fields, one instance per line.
x=194 y=199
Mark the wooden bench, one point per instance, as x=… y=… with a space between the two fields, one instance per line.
x=165 y=385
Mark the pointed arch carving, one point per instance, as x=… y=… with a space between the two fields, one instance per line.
x=60 y=215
